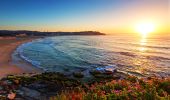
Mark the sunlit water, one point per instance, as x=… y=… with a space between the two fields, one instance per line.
x=137 y=56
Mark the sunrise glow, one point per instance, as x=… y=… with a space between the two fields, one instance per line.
x=85 y=49
x=145 y=28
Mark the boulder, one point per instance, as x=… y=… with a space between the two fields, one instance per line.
x=78 y=74
x=26 y=92
x=11 y=96
x=104 y=70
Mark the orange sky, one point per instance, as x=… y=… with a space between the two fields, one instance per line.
x=119 y=16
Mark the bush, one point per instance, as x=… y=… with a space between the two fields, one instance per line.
x=131 y=88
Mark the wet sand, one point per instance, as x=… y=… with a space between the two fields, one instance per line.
x=11 y=64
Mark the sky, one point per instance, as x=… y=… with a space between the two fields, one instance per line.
x=108 y=16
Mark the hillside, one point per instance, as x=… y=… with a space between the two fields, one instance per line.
x=38 y=33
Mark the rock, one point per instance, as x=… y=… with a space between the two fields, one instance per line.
x=1 y=88
x=110 y=68
x=16 y=82
x=94 y=72
x=26 y=92
x=7 y=82
x=104 y=70
x=19 y=99
x=108 y=72
x=11 y=96
x=10 y=76
x=80 y=69
x=37 y=85
x=78 y=74
x=2 y=97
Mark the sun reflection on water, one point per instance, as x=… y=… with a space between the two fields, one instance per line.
x=141 y=64
x=143 y=43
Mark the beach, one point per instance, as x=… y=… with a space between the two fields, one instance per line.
x=7 y=67
x=25 y=81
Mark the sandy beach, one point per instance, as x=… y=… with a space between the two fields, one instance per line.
x=7 y=67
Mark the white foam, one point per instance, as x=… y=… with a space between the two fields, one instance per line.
x=20 y=49
x=111 y=68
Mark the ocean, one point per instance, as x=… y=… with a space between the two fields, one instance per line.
x=137 y=56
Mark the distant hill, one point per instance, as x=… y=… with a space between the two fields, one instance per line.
x=37 y=33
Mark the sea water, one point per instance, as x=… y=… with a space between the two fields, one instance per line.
x=138 y=56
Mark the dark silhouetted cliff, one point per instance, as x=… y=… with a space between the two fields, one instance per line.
x=37 y=33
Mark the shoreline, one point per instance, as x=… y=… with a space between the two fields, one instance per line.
x=10 y=62
x=25 y=81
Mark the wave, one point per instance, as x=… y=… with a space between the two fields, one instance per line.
x=20 y=51
x=80 y=53
x=147 y=46
x=127 y=54
x=157 y=58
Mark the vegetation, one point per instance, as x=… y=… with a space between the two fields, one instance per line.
x=46 y=83
x=36 y=86
x=130 y=88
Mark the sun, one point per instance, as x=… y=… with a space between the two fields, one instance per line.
x=145 y=28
